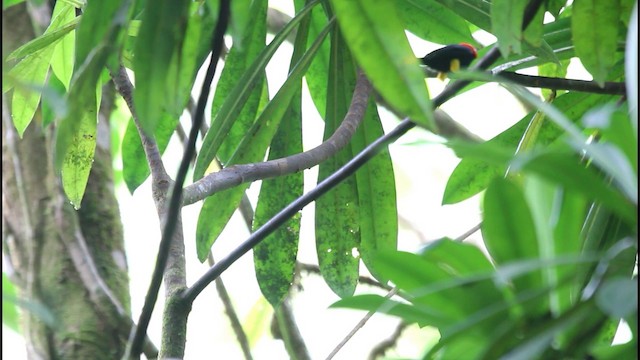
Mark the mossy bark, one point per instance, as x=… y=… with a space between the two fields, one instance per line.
x=43 y=269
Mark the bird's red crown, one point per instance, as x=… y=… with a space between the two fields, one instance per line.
x=470 y=47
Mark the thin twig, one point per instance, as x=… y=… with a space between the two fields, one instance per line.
x=358 y=326
x=236 y=325
x=289 y=332
x=384 y=346
x=315 y=269
x=468 y=233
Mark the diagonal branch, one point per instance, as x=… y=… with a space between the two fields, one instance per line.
x=238 y=174
x=613 y=88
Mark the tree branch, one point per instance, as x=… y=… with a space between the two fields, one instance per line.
x=612 y=88
x=289 y=332
x=105 y=301
x=238 y=174
x=171 y=249
x=236 y=325
x=345 y=171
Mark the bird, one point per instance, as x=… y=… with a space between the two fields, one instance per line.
x=450 y=58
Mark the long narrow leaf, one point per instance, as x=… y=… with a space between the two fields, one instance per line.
x=337 y=212
x=376 y=194
x=237 y=62
x=509 y=232
x=32 y=71
x=236 y=99
x=375 y=35
x=506 y=22
x=159 y=41
x=218 y=208
x=473 y=175
x=434 y=22
x=275 y=257
x=595 y=32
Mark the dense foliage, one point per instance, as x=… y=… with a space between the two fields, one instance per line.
x=559 y=186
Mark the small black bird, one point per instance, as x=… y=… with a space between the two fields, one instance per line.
x=450 y=58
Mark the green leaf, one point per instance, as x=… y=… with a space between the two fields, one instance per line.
x=631 y=67
x=565 y=169
x=557 y=44
x=508 y=230
x=31 y=72
x=135 y=168
x=195 y=48
x=595 y=32
x=102 y=24
x=439 y=289
x=159 y=41
x=275 y=257
x=193 y=52
x=464 y=259
x=98 y=33
x=618 y=297
x=559 y=216
x=473 y=175
x=540 y=337
x=51 y=36
x=554 y=6
x=615 y=127
x=54 y=105
x=506 y=22
x=218 y=208
x=377 y=303
x=237 y=98
x=477 y=12
x=79 y=158
x=63 y=55
x=616 y=352
x=434 y=22
x=337 y=212
x=376 y=38
x=242 y=16
x=606 y=156
x=8 y=3
x=535 y=30
x=10 y=316
x=316 y=77
x=376 y=194
x=239 y=59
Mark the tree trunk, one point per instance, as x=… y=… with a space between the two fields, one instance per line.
x=43 y=231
